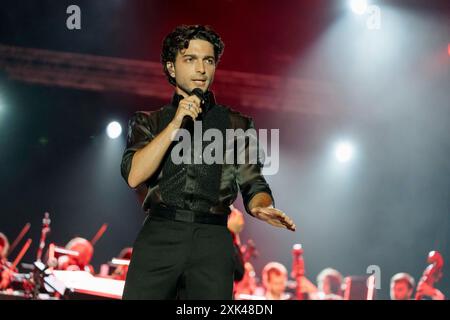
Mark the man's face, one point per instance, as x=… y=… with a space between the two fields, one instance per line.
x=277 y=284
x=327 y=286
x=400 y=290
x=330 y=284
x=194 y=67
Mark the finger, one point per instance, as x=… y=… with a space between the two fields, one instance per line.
x=267 y=211
x=195 y=99
x=291 y=227
x=276 y=223
x=198 y=109
x=192 y=114
x=263 y=214
x=190 y=106
x=286 y=218
x=189 y=113
x=186 y=109
x=275 y=213
x=288 y=222
x=291 y=224
x=270 y=213
x=194 y=111
x=274 y=217
x=256 y=211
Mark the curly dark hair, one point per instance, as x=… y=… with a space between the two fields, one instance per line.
x=179 y=39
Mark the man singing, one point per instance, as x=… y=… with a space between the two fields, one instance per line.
x=184 y=249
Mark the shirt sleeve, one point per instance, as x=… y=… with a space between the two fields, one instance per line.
x=249 y=176
x=141 y=131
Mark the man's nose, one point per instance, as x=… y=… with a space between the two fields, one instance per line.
x=200 y=67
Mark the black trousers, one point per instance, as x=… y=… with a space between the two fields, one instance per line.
x=181 y=260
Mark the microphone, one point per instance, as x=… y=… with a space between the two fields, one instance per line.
x=200 y=94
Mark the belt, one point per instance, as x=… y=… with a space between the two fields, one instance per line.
x=158 y=210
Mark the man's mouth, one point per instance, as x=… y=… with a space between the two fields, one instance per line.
x=199 y=82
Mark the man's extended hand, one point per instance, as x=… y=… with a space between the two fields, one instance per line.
x=274 y=217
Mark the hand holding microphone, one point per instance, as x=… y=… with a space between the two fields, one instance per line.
x=189 y=107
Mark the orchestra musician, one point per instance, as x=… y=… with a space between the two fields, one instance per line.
x=6 y=272
x=120 y=273
x=235 y=225
x=402 y=288
x=329 y=285
x=275 y=278
x=81 y=262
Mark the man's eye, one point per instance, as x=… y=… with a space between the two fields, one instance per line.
x=188 y=59
x=210 y=61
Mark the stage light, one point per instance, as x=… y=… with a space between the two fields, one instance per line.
x=114 y=130
x=344 y=152
x=358 y=6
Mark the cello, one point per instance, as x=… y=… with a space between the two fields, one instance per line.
x=432 y=273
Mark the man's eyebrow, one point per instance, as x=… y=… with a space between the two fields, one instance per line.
x=195 y=56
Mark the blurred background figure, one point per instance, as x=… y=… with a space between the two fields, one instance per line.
x=275 y=278
x=402 y=286
x=235 y=225
x=4 y=247
x=120 y=273
x=4 y=264
x=81 y=262
x=329 y=285
x=245 y=282
x=246 y=287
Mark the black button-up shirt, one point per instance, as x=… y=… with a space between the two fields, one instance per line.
x=246 y=177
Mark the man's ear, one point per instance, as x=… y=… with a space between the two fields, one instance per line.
x=171 y=68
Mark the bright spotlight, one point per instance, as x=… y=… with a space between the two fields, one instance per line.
x=344 y=152
x=358 y=6
x=114 y=130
